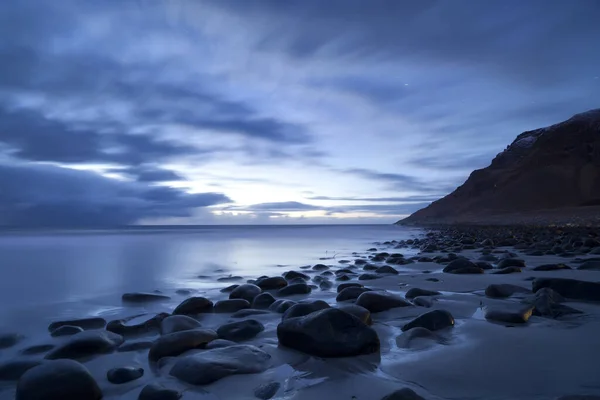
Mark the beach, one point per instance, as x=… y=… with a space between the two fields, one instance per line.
x=494 y=325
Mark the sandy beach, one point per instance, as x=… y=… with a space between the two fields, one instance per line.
x=497 y=343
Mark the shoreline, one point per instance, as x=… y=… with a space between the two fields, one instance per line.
x=478 y=355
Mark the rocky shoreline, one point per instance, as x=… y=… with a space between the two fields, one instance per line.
x=478 y=312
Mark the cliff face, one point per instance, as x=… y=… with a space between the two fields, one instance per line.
x=552 y=168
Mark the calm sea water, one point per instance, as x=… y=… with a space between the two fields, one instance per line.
x=62 y=274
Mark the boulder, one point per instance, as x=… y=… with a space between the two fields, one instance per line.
x=174 y=344
x=177 y=323
x=503 y=290
x=342 y=278
x=241 y=330
x=509 y=316
x=211 y=365
x=272 y=283
x=60 y=379
x=370 y=267
x=247 y=292
x=66 y=330
x=328 y=333
x=458 y=264
x=343 y=286
x=432 y=321
x=12 y=370
x=570 y=288
x=138 y=345
x=592 y=265
x=86 y=344
x=83 y=323
x=228 y=289
x=124 y=374
x=359 y=312
x=325 y=285
x=423 y=301
x=37 y=349
x=143 y=297
x=157 y=391
x=510 y=262
x=551 y=267
x=302 y=309
x=263 y=300
x=231 y=306
x=386 y=269
x=368 y=277
x=151 y=325
x=351 y=293
x=295 y=274
x=547 y=303
x=483 y=265
x=248 y=312
x=281 y=306
x=403 y=394
x=293 y=289
x=9 y=339
x=507 y=270
x=194 y=305
x=266 y=391
x=320 y=267
x=230 y=278
x=219 y=343
x=380 y=301
x=416 y=292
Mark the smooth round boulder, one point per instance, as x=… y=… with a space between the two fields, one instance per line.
x=295 y=274
x=459 y=264
x=508 y=316
x=328 y=333
x=423 y=301
x=231 y=306
x=403 y=394
x=177 y=323
x=510 y=262
x=143 y=297
x=60 y=379
x=483 y=265
x=248 y=312
x=263 y=301
x=386 y=269
x=380 y=301
x=271 y=283
x=281 y=306
x=12 y=370
x=151 y=325
x=241 y=330
x=507 y=270
x=302 y=309
x=9 y=340
x=66 y=330
x=86 y=344
x=551 y=267
x=193 y=306
x=343 y=286
x=212 y=365
x=157 y=391
x=359 y=312
x=368 y=277
x=351 y=293
x=219 y=343
x=325 y=285
x=138 y=345
x=83 y=323
x=121 y=375
x=432 y=320
x=504 y=290
x=370 y=267
x=228 y=289
x=342 y=278
x=230 y=278
x=37 y=349
x=174 y=344
x=416 y=292
x=570 y=288
x=247 y=292
x=320 y=267
x=294 y=289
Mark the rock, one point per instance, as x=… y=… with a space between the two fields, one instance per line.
x=124 y=374
x=281 y=306
x=174 y=344
x=228 y=289
x=242 y=330
x=380 y=301
x=296 y=288
x=403 y=394
x=248 y=312
x=507 y=270
x=483 y=265
x=302 y=309
x=142 y=297
x=508 y=316
x=325 y=285
x=183 y=292
x=570 y=288
x=351 y=293
x=61 y=379
x=551 y=267
x=135 y=346
x=194 y=305
x=415 y=292
x=66 y=330
x=211 y=365
x=546 y=303
x=177 y=323
x=219 y=343
x=263 y=300
x=85 y=344
x=510 y=262
x=326 y=273
x=368 y=277
x=432 y=320
x=458 y=264
x=432 y=279
x=231 y=306
x=343 y=278
x=247 y=292
x=9 y=340
x=360 y=261
x=404 y=341
x=320 y=267
x=295 y=274
x=370 y=267
x=230 y=278
x=83 y=323
x=272 y=283
x=328 y=333
x=488 y=258
x=469 y=270
x=156 y=391
x=359 y=312
x=343 y=286
x=423 y=301
x=267 y=390
x=386 y=269
x=151 y=325
x=344 y=271
x=37 y=349
x=593 y=265
x=12 y=370
x=503 y=290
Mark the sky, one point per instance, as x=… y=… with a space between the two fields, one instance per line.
x=118 y=112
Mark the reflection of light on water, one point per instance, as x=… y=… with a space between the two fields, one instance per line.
x=479 y=314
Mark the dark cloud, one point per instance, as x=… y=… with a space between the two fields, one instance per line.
x=394 y=181
x=380 y=199
x=49 y=196
x=149 y=173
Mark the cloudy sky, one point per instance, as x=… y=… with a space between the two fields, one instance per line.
x=299 y=111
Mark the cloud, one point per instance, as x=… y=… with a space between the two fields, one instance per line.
x=400 y=199
x=50 y=196
x=278 y=207
x=148 y=173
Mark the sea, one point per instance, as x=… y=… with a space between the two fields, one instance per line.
x=62 y=274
